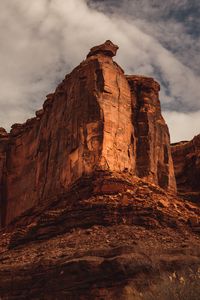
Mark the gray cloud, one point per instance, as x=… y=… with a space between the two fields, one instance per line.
x=175 y=24
x=43 y=40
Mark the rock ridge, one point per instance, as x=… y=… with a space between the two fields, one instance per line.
x=97 y=118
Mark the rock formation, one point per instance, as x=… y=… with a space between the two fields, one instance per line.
x=117 y=240
x=186 y=157
x=88 y=194
x=153 y=154
x=97 y=119
x=3 y=150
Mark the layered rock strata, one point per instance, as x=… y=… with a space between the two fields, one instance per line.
x=186 y=158
x=97 y=119
x=153 y=154
x=3 y=150
x=88 y=193
x=111 y=236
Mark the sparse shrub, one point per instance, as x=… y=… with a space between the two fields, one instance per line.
x=185 y=286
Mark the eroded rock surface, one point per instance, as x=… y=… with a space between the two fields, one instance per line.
x=87 y=191
x=86 y=125
x=3 y=150
x=111 y=236
x=108 y=49
x=153 y=153
x=97 y=119
x=186 y=157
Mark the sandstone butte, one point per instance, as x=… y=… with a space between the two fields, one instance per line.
x=88 y=194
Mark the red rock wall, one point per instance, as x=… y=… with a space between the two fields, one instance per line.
x=153 y=155
x=3 y=148
x=186 y=157
x=95 y=120
x=86 y=125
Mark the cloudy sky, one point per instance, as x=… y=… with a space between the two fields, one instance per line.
x=42 y=40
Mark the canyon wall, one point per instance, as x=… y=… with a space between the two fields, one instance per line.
x=97 y=119
x=3 y=151
x=153 y=153
x=186 y=157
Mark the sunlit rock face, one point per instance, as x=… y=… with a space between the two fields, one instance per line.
x=98 y=119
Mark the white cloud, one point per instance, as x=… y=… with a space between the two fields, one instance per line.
x=43 y=40
x=182 y=126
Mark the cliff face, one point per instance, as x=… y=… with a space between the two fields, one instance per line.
x=153 y=154
x=3 y=151
x=97 y=119
x=87 y=192
x=186 y=157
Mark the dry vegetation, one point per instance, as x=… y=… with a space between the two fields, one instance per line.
x=185 y=286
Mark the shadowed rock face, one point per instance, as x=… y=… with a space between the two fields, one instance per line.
x=3 y=150
x=186 y=157
x=153 y=153
x=97 y=119
x=108 y=49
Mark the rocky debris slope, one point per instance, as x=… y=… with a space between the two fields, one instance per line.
x=186 y=158
x=114 y=237
x=88 y=198
x=97 y=119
